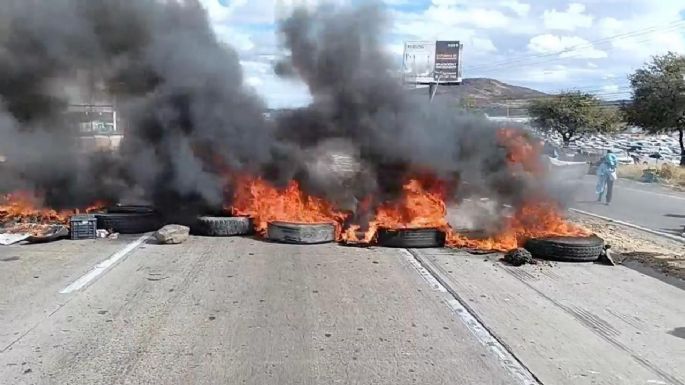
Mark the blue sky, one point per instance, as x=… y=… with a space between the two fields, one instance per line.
x=547 y=45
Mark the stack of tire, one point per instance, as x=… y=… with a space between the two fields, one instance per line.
x=129 y=219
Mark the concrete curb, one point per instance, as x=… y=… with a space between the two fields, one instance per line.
x=631 y=225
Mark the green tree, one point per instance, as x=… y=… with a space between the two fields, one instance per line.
x=571 y=114
x=658 y=103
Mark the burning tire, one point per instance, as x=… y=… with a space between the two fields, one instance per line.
x=411 y=238
x=300 y=233
x=566 y=249
x=131 y=209
x=129 y=223
x=223 y=226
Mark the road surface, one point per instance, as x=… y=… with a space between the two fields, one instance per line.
x=244 y=311
x=646 y=205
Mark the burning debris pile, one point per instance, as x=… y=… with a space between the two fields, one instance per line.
x=363 y=156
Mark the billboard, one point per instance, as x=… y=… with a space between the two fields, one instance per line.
x=427 y=62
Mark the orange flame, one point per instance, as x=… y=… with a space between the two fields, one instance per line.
x=422 y=205
x=24 y=206
x=265 y=203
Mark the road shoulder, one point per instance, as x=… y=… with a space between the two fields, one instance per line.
x=635 y=246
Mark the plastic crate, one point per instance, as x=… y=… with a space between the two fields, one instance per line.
x=83 y=226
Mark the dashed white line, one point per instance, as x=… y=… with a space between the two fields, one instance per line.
x=103 y=266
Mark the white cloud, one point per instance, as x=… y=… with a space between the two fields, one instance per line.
x=574 y=17
x=503 y=39
x=610 y=88
x=482 y=45
x=565 y=46
x=450 y=15
x=519 y=8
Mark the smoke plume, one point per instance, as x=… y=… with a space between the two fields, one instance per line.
x=339 y=54
x=181 y=92
x=189 y=118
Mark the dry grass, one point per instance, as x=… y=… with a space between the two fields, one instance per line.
x=668 y=173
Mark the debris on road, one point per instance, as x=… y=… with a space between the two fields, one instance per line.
x=518 y=257
x=7 y=239
x=605 y=256
x=50 y=234
x=172 y=234
x=83 y=226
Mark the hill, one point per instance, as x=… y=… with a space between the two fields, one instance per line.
x=490 y=95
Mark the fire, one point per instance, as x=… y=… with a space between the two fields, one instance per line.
x=24 y=207
x=264 y=203
x=532 y=220
x=422 y=205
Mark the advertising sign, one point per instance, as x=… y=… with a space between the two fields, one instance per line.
x=430 y=62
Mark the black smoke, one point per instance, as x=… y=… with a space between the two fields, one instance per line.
x=187 y=112
x=338 y=53
x=189 y=118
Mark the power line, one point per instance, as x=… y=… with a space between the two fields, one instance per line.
x=523 y=60
x=677 y=24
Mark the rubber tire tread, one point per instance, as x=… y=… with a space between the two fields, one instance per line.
x=300 y=233
x=223 y=226
x=130 y=209
x=129 y=223
x=411 y=238
x=566 y=249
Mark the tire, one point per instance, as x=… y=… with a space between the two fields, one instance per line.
x=566 y=249
x=129 y=223
x=300 y=233
x=411 y=238
x=223 y=226
x=130 y=209
x=56 y=233
x=473 y=233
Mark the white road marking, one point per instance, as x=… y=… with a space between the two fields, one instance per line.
x=482 y=334
x=628 y=224
x=103 y=266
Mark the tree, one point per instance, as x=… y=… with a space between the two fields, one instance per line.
x=571 y=114
x=658 y=103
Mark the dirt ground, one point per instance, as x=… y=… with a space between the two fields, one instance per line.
x=629 y=244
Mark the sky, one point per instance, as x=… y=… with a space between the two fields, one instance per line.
x=548 y=45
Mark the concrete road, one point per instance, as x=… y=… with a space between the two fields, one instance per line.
x=237 y=311
x=646 y=205
x=243 y=311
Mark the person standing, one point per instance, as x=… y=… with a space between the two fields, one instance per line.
x=606 y=175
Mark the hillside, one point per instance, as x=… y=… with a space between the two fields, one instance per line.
x=491 y=95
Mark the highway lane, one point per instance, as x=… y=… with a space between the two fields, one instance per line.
x=647 y=205
x=244 y=311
